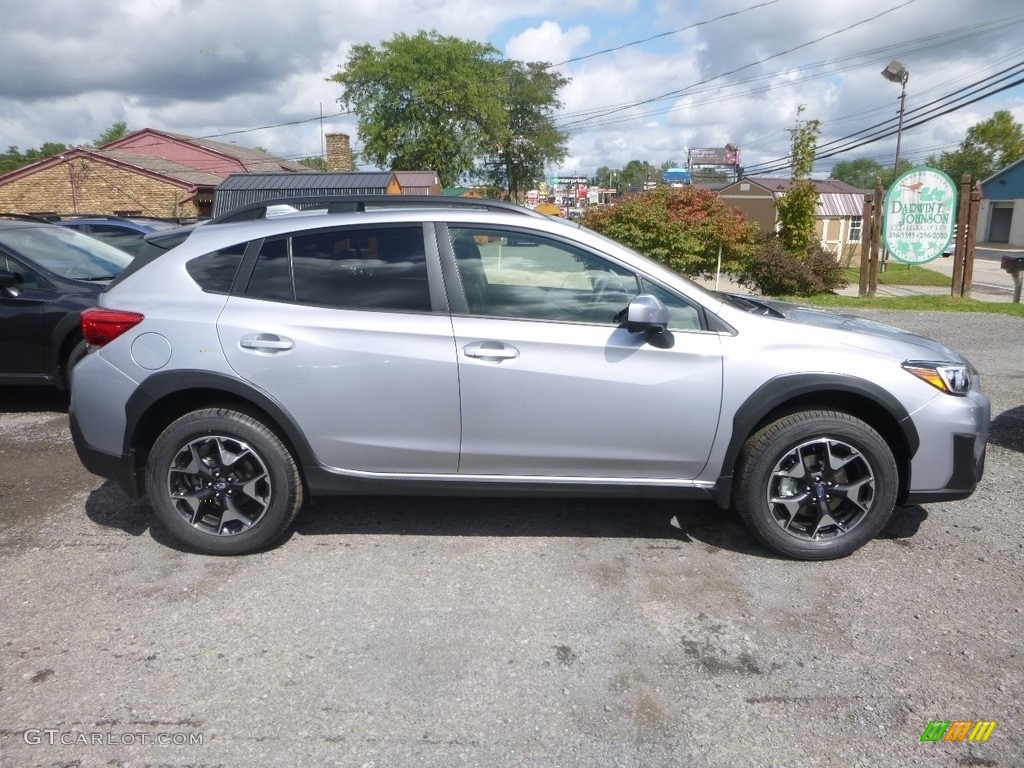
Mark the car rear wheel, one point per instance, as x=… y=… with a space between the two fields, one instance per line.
x=223 y=483
x=816 y=485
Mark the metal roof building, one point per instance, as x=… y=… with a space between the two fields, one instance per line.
x=240 y=189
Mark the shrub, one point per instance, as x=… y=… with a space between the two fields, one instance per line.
x=774 y=270
x=681 y=228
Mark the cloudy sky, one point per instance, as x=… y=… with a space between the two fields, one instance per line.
x=650 y=78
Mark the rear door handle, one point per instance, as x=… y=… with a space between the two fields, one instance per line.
x=490 y=350
x=266 y=342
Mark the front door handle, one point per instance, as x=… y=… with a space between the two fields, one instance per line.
x=493 y=351
x=266 y=342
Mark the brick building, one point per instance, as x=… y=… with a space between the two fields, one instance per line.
x=149 y=172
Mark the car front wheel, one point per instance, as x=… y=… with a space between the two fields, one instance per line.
x=223 y=483
x=816 y=485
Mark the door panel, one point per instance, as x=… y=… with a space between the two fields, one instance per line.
x=585 y=400
x=26 y=327
x=551 y=385
x=338 y=326
x=372 y=391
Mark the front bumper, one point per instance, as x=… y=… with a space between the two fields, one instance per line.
x=950 y=461
x=968 y=469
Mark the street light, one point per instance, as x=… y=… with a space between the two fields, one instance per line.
x=897 y=73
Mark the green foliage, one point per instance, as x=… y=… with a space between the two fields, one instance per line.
x=12 y=159
x=863 y=172
x=917 y=304
x=426 y=102
x=636 y=174
x=708 y=174
x=902 y=274
x=804 y=145
x=988 y=147
x=775 y=269
x=315 y=162
x=528 y=140
x=117 y=131
x=798 y=206
x=681 y=228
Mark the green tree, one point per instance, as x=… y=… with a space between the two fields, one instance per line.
x=682 y=228
x=12 y=159
x=426 y=102
x=798 y=206
x=989 y=146
x=529 y=140
x=794 y=263
x=637 y=173
x=708 y=174
x=117 y=131
x=863 y=172
x=315 y=162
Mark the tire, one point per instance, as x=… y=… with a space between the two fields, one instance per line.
x=223 y=483
x=77 y=353
x=816 y=485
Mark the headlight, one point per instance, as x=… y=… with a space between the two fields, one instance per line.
x=951 y=378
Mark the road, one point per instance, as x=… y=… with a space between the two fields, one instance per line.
x=510 y=632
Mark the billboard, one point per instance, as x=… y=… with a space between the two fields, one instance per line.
x=727 y=155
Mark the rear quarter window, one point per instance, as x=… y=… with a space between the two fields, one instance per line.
x=215 y=272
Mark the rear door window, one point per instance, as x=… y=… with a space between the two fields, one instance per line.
x=373 y=268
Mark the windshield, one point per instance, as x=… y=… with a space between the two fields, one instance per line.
x=65 y=252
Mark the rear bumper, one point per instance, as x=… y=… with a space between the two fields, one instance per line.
x=117 y=467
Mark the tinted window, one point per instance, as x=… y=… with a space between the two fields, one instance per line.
x=65 y=252
x=127 y=240
x=346 y=269
x=29 y=279
x=508 y=274
x=271 y=279
x=215 y=272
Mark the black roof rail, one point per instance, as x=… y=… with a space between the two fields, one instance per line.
x=358 y=203
x=105 y=216
x=25 y=217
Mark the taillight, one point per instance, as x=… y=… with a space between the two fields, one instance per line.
x=101 y=326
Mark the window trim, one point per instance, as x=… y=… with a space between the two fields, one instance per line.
x=460 y=305
x=437 y=295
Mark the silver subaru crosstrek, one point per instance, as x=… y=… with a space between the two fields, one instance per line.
x=412 y=346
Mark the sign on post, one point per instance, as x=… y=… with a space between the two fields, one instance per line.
x=920 y=215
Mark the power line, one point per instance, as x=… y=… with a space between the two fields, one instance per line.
x=862 y=57
x=662 y=34
x=784 y=163
x=681 y=91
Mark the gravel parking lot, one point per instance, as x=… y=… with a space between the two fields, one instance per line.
x=447 y=632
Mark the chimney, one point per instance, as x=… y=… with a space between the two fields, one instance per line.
x=339 y=152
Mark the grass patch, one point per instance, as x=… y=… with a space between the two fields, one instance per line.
x=902 y=274
x=912 y=303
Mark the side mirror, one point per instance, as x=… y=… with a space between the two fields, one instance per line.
x=646 y=314
x=10 y=281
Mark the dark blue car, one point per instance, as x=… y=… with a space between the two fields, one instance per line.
x=48 y=275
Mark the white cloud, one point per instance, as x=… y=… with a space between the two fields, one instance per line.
x=547 y=43
x=202 y=68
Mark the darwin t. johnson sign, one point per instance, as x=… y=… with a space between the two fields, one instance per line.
x=920 y=214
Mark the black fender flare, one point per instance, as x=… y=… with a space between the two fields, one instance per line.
x=791 y=388
x=161 y=386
